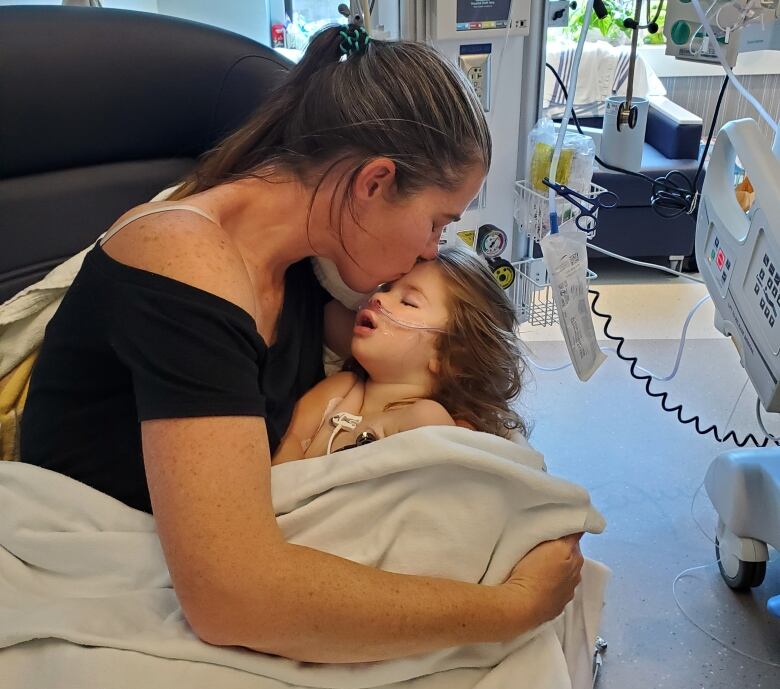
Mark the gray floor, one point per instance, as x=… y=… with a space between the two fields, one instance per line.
x=642 y=468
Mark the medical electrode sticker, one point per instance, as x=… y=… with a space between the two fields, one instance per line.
x=566 y=257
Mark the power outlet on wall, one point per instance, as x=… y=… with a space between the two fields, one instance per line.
x=474 y=60
x=476 y=76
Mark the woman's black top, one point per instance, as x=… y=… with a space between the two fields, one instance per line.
x=127 y=345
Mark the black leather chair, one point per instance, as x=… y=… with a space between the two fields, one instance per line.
x=101 y=109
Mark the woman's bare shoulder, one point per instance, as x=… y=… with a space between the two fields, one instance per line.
x=186 y=247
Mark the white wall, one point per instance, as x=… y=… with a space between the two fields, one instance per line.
x=503 y=120
x=247 y=17
x=139 y=5
x=386 y=13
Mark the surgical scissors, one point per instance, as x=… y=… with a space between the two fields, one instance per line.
x=587 y=215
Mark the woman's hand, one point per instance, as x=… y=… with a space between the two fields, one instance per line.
x=543 y=582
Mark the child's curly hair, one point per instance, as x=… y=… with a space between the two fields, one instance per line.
x=481 y=367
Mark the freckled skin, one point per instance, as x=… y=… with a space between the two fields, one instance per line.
x=238 y=581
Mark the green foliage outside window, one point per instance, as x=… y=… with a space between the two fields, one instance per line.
x=611 y=27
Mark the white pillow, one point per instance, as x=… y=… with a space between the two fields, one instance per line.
x=329 y=278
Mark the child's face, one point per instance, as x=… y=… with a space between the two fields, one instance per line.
x=390 y=351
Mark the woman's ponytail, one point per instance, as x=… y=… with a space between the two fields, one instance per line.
x=353 y=97
x=323 y=50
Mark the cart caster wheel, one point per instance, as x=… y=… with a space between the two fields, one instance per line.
x=738 y=574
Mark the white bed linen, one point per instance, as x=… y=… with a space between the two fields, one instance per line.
x=78 y=568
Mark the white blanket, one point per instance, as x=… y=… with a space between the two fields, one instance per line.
x=78 y=566
x=24 y=317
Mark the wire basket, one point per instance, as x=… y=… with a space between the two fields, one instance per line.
x=532 y=210
x=532 y=294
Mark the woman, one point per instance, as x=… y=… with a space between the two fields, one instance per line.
x=171 y=369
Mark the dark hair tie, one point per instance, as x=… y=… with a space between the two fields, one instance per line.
x=354 y=40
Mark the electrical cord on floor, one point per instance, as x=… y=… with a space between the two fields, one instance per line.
x=669 y=199
x=664 y=396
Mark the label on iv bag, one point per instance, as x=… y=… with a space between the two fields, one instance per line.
x=566 y=258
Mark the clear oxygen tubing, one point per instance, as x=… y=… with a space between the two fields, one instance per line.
x=696 y=33
x=498 y=72
x=759 y=418
x=567 y=114
x=729 y=647
x=375 y=305
x=655 y=376
x=722 y=58
x=654 y=266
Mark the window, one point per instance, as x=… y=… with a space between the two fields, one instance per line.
x=605 y=60
x=611 y=28
x=251 y=18
x=307 y=17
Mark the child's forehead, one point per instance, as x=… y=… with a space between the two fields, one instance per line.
x=428 y=278
x=422 y=271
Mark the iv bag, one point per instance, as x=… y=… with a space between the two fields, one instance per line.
x=566 y=257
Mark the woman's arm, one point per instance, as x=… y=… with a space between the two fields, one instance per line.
x=240 y=583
